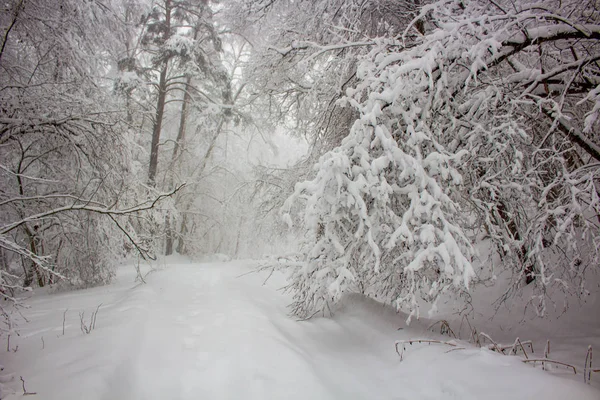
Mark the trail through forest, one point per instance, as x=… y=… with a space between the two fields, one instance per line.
x=213 y=331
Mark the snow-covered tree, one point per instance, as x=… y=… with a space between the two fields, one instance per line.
x=476 y=123
x=302 y=59
x=379 y=213
x=176 y=73
x=180 y=37
x=69 y=183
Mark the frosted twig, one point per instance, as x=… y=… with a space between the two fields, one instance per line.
x=545 y=360
x=514 y=350
x=496 y=347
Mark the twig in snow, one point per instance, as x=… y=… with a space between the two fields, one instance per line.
x=8 y=344
x=249 y=272
x=64 y=319
x=545 y=360
x=496 y=347
x=87 y=328
x=587 y=367
x=514 y=350
x=454 y=349
x=94 y=315
x=472 y=332
x=546 y=353
x=444 y=327
x=411 y=341
x=25 y=392
x=268 y=277
x=82 y=325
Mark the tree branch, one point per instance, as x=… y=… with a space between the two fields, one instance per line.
x=85 y=207
x=573 y=133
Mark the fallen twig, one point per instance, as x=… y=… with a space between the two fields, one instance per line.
x=454 y=349
x=411 y=341
x=25 y=392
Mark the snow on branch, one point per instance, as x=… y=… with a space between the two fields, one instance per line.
x=463 y=130
x=147 y=205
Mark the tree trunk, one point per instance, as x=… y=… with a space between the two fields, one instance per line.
x=237 y=241
x=28 y=279
x=528 y=267
x=160 y=104
x=182 y=120
x=32 y=237
x=169 y=235
x=33 y=247
x=182 y=233
x=160 y=110
x=170 y=223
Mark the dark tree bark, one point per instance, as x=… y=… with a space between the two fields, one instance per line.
x=157 y=128
x=169 y=221
x=160 y=104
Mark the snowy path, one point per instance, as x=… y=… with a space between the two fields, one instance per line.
x=197 y=331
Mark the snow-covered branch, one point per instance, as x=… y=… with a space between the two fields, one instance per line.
x=474 y=129
x=320 y=49
x=147 y=205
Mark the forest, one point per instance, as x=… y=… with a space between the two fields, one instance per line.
x=405 y=151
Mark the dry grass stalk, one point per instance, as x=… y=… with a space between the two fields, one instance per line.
x=545 y=360
x=444 y=328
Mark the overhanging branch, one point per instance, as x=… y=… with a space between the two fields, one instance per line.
x=86 y=207
x=574 y=134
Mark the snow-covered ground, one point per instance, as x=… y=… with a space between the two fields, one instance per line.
x=210 y=331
